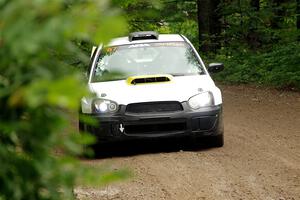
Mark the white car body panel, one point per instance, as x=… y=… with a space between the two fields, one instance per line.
x=180 y=88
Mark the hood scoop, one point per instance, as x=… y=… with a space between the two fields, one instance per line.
x=135 y=80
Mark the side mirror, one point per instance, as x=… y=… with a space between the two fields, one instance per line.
x=215 y=67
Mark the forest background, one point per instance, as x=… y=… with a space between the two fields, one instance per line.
x=257 y=40
x=43 y=43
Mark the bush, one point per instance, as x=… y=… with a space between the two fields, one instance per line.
x=39 y=90
x=279 y=67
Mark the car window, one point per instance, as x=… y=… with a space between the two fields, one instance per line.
x=121 y=62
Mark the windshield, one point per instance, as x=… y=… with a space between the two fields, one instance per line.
x=121 y=62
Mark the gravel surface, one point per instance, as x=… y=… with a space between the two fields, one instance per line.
x=260 y=159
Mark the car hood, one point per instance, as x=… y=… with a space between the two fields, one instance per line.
x=180 y=88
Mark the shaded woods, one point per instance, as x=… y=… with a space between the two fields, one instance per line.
x=40 y=94
x=258 y=40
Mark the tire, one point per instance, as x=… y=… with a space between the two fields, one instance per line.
x=88 y=150
x=216 y=141
x=80 y=126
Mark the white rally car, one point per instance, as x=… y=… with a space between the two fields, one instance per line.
x=150 y=85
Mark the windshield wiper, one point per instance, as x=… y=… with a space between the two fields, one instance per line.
x=188 y=74
x=179 y=74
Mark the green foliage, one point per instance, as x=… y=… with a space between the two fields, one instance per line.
x=161 y=16
x=245 y=43
x=279 y=67
x=188 y=28
x=260 y=44
x=141 y=14
x=40 y=92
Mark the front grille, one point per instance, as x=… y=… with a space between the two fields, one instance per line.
x=155 y=128
x=148 y=107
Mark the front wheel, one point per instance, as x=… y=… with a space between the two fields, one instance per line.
x=216 y=141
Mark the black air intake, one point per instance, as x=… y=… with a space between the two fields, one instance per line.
x=149 y=79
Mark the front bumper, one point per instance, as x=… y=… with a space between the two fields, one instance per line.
x=122 y=126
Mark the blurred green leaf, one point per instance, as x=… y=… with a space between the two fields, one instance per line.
x=40 y=90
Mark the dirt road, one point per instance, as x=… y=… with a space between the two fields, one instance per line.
x=260 y=159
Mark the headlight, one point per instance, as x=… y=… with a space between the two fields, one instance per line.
x=104 y=106
x=201 y=100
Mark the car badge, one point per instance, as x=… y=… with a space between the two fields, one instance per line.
x=121 y=128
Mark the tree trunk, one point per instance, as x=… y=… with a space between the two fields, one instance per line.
x=298 y=14
x=255 y=5
x=203 y=24
x=209 y=24
x=253 y=37
x=215 y=24
x=279 y=12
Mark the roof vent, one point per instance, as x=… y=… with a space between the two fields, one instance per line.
x=144 y=35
